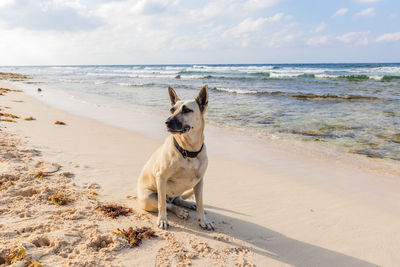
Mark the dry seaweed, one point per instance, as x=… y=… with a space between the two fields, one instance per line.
x=35 y=264
x=4 y=185
x=5 y=90
x=60 y=123
x=8 y=120
x=40 y=174
x=30 y=118
x=135 y=236
x=9 y=115
x=15 y=254
x=114 y=210
x=6 y=75
x=17 y=101
x=59 y=199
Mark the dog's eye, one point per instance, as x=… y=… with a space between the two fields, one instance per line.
x=186 y=110
x=172 y=110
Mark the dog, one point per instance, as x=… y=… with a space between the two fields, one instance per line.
x=176 y=169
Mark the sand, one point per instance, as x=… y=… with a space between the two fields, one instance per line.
x=282 y=206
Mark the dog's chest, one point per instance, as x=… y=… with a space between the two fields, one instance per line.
x=186 y=174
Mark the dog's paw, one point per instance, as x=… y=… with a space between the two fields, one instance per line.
x=182 y=213
x=206 y=225
x=192 y=206
x=162 y=223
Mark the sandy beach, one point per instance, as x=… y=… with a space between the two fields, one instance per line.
x=282 y=205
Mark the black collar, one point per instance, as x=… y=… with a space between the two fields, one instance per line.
x=185 y=153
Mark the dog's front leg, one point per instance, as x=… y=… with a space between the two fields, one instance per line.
x=198 y=194
x=162 y=221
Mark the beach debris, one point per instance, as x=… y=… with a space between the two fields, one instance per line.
x=35 y=264
x=60 y=123
x=93 y=193
x=16 y=254
x=114 y=210
x=40 y=174
x=8 y=120
x=39 y=89
x=6 y=90
x=59 y=199
x=5 y=185
x=17 y=101
x=7 y=75
x=135 y=236
x=9 y=115
x=30 y=118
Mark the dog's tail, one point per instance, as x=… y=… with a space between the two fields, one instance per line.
x=187 y=194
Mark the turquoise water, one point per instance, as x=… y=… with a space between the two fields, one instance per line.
x=354 y=107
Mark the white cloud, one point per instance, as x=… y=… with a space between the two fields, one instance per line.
x=252 y=25
x=319 y=40
x=320 y=27
x=340 y=12
x=4 y=3
x=357 y=38
x=259 y=4
x=368 y=12
x=367 y=1
x=389 y=37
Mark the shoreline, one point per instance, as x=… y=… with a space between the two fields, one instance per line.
x=149 y=122
x=290 y=207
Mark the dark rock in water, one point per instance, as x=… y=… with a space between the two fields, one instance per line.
x=39 y=89
x=178 y=76
x=314 y=133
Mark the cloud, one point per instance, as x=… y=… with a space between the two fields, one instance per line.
x=319 y=40
x=4 y=3
x=368 y=12
x=60 y=15
x=389 y=37
x=252 y=25
x=320 y=27
x=340 y=12
x=357 y=38
x=260 y=4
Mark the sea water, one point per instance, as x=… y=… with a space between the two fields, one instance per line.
x=352 y=107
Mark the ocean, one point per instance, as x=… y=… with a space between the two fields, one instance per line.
x=352 y=107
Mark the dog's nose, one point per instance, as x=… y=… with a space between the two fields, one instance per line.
x=168 y=120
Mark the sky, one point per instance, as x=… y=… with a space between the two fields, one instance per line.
x=90 y=32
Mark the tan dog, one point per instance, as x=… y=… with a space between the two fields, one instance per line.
x=178 y=166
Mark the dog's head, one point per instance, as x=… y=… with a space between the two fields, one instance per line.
x=187 y=115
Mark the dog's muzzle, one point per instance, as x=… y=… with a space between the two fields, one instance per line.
x=175 y=126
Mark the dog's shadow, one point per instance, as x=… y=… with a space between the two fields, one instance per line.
x=266 y=242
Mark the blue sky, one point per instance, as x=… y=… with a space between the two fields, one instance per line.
x=57 y=32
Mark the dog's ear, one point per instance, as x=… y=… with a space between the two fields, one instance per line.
x=202 y=98
x=172 y=96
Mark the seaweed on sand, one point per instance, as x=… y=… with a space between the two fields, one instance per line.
x=40 y=174
x=60 y=123
x=15 y=254
x=135 y=236
x=7 y=75
x=18 y=253
x=9 y=115
x=30 y=118
x=5 y=90
x=8 y=120
x=59 y=199
x=5 y=185
x=35 y=264
x=114 y=210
